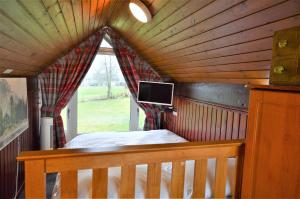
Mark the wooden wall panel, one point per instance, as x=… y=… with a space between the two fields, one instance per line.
x=28 y=140
x=201 y=121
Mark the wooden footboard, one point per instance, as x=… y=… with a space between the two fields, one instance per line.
x=69 y=161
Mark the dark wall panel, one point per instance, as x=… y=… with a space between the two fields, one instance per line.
x=28 y=140
x=232 y=95
x=202 y=121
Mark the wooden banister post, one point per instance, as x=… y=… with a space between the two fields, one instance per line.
x=68 y=184
x=200 y=173
x=220 y=177
x=153 y=180
x=177 y=179
x=100 y=183
x=239 y=172
x=35 y=179
x=127 y=183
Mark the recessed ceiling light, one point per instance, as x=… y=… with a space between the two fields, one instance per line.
x=140 y=11
x=7 y=71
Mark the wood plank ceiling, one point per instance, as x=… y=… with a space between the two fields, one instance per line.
x=226 y=41
x=33 y=33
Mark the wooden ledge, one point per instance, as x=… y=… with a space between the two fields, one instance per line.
x=275 y=87
x=63 y=153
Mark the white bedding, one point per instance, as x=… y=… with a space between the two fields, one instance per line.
x=109 y=139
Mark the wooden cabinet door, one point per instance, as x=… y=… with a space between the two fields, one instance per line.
x=272 y=159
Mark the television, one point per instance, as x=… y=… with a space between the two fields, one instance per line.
x=155 y=93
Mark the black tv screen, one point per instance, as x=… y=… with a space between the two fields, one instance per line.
x=155 y=93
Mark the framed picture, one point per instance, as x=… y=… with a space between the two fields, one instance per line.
x=13 y=109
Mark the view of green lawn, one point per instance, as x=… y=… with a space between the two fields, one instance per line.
x=99 y=92
x=104 y=115
x=96 y=114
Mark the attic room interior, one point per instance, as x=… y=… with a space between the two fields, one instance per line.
x=149 y=99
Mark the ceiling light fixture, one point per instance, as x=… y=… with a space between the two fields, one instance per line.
x=140 y=11
x=7 y=71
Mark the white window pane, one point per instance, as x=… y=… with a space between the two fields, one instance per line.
x=142 y=117
x=103 y=106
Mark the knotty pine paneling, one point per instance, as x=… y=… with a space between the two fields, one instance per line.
x=28 y=141
x=35 y=33
x=201 y=121
x=225 y=41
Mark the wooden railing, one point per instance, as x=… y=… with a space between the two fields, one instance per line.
x=69 y=161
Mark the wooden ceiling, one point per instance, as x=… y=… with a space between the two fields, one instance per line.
x=226 y=41
x=34 y=33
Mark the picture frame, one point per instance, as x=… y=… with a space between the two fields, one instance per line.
x=13 y=109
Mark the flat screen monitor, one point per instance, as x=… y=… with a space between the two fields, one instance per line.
x=155 y=93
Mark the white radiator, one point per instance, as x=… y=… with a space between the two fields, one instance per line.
x=46 y=138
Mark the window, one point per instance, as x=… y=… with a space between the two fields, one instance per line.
x=142 y=117
x=102 y=102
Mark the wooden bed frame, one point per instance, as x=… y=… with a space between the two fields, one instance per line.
x=69 y=161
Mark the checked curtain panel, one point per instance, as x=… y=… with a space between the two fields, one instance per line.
x=60 y=80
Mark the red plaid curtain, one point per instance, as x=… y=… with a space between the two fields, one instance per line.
x=61 y=79
x=134 y=69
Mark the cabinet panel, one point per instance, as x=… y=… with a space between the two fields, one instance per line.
x=285 y=67
x=286 y=42
x=284 y=70
x=272 y=146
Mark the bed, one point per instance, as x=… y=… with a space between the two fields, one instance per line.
x=113 y=139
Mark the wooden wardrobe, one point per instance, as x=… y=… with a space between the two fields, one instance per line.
x=272 y=159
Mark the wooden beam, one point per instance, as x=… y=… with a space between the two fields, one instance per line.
x=106 y=51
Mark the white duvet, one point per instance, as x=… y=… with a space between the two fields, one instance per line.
x=109 y=139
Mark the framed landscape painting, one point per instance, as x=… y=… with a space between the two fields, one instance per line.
x=13 y=109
